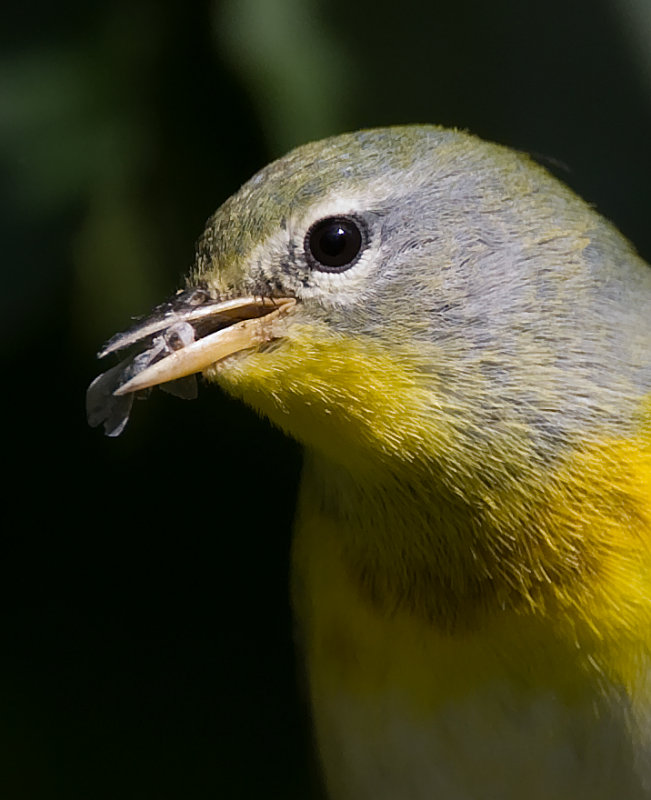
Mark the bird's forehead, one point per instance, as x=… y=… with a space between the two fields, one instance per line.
x=348 y=162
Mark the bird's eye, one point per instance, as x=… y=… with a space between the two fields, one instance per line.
x=334 y=244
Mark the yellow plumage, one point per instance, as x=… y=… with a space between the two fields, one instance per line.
x=535 y=602
x=464 y=349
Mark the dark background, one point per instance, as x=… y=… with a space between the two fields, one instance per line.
x=145 y=629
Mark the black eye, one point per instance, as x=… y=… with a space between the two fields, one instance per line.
x=334 y=244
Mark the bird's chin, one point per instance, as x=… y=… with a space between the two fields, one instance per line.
x=340 y=396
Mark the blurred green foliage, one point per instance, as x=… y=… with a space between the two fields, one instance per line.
x=147 y=648
x=281 y=50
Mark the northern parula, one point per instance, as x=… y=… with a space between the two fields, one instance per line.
x=463 y=347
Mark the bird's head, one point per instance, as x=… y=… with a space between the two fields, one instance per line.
x=395 y=295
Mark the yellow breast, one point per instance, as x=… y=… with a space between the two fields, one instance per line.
x=522 y=702
x=404 y=711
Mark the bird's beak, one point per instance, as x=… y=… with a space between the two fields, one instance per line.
x=198 y=337
x=183 y=336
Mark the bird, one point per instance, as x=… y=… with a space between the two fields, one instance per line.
x=462 y=346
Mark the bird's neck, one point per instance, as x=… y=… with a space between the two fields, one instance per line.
x=567 y=546
x=401 y=541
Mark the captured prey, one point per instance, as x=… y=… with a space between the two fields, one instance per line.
x=181 y=337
